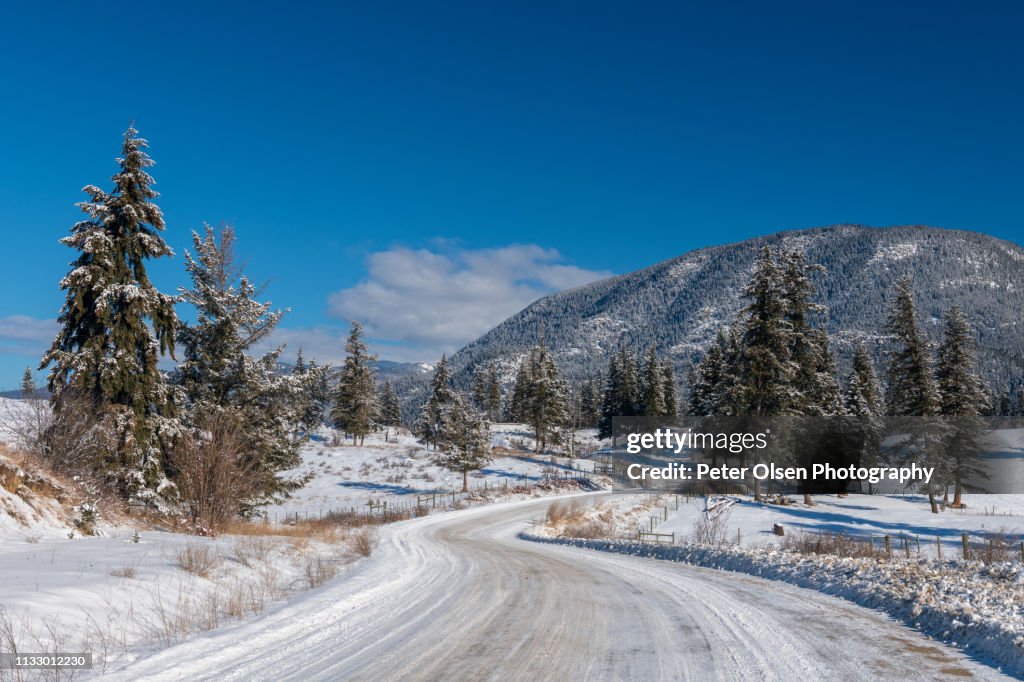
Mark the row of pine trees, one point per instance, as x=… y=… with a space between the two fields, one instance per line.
x=774 y=360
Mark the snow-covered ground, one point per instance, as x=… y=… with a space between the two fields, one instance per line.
x=863 y=517
x=132 y=589
x=402 y=472
x=459 y=597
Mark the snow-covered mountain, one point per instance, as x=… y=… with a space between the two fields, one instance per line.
x=679 y=304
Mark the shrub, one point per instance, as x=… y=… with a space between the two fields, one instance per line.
x=198 y=559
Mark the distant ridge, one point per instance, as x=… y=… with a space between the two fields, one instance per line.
x=679 y=304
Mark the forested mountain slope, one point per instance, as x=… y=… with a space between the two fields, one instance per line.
x=678 y=304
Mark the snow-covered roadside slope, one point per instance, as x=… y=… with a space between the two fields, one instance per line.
x=458 y=596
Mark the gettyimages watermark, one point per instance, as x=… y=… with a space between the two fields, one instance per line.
x=818 y=454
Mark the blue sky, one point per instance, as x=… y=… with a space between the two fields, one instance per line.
x=431 y=167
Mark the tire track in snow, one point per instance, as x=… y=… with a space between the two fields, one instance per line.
x=458 y=596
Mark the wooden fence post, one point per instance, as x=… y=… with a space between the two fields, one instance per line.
x=888 y=547
x=967 y=546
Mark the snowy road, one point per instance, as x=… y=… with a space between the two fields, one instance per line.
x=459 y=597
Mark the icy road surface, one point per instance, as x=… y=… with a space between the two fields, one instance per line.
x=458 y=597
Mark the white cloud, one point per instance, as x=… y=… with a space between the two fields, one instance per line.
x=323 y=344
x=417 y=304
x=24 y=335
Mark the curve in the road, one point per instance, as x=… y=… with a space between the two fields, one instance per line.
x=458 y=597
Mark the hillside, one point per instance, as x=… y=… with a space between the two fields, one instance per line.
x=678 y=304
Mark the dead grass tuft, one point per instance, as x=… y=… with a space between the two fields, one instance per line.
x=199 y=559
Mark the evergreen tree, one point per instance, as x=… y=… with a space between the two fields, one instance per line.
x=862 y=400
x=547 y=401
x=355 y=399
x=115 y=323
x=480 y=387
x=961 y=397
x=390 y=409
x=670 y=391
x=620 y=391
x=765 y=368
x=863 y=392
x=805 y=345
x=493 y=407
x=431 y=420
x=828 y=394
x=706 y=390
x=652 y=386
x=610 y=399
x=590 y=404
x=28 y=385
x=911 y=388
x=517 y=405
x=1005 y=401
x=221 y=380
x=464 y=438
x=316 y=397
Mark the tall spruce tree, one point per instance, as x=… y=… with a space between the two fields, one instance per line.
x=863 y=392
x=390 y=408
x=518 y=401
x=219 y=377
x=480 y=387
x=806 y=354
x=706 y=390
x=493 y=407
x=355 y=399
x=1005 y=401
x=547 y=400
x=430 y=423
x=652 y=386
x=621 y=393
x=828 y=393
x=765 y=367
x=590 y=404
x=316 y=396
x=863 y=401
x=912 y=390
x=115 y=323
x=670 y=390
x=962 y=398
x=764 y=371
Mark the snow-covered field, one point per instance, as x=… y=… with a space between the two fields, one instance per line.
x=863 y=517
x=402 y=472
x=134 y=590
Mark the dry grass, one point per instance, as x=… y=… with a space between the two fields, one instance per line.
x=318 y=568
x=126 y=571
x=361 y=541
x=575 y=519
x=199 y=559
x=559 y=510
x=997 y=547
x=835 y=544
x=251 y=550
